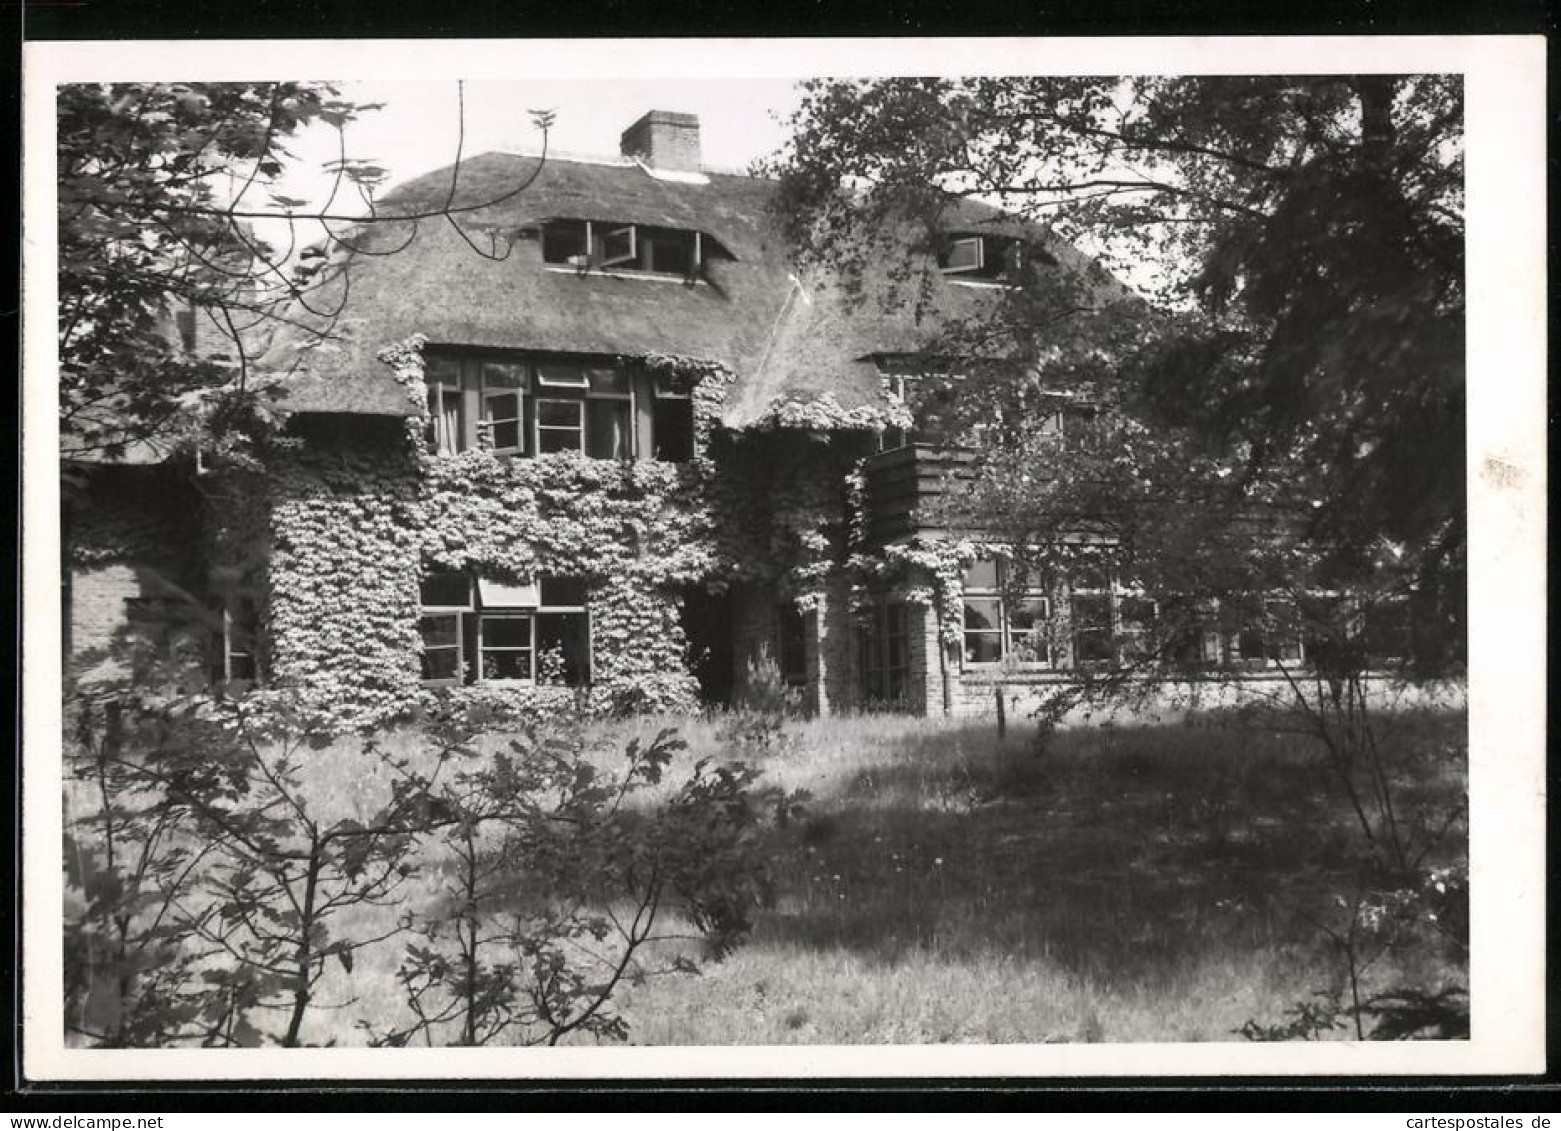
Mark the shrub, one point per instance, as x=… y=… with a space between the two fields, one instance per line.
x=212 y=884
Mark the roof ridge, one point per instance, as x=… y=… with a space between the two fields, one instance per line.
x=614 y=162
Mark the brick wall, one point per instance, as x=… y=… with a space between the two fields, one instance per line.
x=832 y=651
x=664 y=140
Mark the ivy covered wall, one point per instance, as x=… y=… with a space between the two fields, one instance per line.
x=353 y=515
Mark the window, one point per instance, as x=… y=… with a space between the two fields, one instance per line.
x=527 y=408
x=1267 y=633
x=791 y=646
x=672 y=421
x=1070 y=425
x=619 y=247
x=1386 y=632
x=446 y=434
x=987 y=257
x=560 y=425
x=447 y=604
x=240 y=640
x=929 y=393
x=485 y=630
x=1000 y=625
x=503 y=400
x=884 y=653
x=567 y=241
x=1110 y=624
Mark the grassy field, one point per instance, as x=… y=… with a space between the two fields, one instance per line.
x=1157 y=883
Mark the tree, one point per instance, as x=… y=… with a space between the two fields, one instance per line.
x=1303 y=240
x=161 y=188
x=1280 y=453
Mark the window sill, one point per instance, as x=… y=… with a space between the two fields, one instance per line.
x=636 y=276
x=979 y=284
x=999 y=667
x=508 y=454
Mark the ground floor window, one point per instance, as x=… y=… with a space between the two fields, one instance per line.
x=884 y=653
x=240 y=640
x=1004 y=621
x=479 y=630
x=791 y=647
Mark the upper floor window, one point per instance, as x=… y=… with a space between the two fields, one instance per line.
x=991 y=258
x=603 y=245
x=538 y=407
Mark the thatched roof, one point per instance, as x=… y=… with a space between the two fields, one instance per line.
x=787 y=339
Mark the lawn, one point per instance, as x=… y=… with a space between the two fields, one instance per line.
x=1153 y=883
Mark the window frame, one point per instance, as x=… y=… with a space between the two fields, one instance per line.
x=578 y=403
x=445 y=390
x=471 y=618
x=951 y=250
x=619 y=417
x=887 y=622
x=1008 y=643
x=486 y=396
x=437 y=610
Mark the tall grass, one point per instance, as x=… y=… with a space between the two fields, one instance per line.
x=1118 y=883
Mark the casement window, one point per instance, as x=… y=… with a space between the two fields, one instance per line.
x=974 y=256
x=539 y=407
x=619 y=246
x=1109 y=624
x=1267 y=633
x=240 y=641
x=503 y=387
x=1000 y=625
x=1070 y=425
x=479 y=630
x=791 y=648
x=672 y=421
x=585 y=409
x=883 y=654
x=629 y=248
x=446 y=408
x=930 y=396
x=446 y=614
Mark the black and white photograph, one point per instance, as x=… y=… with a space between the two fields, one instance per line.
x=991 y=554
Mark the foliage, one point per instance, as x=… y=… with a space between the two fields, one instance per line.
x=163 y=190
x=144 y=229
x=1306 y=236
x=1430 y=915
x=212 y=881
x=558 y=887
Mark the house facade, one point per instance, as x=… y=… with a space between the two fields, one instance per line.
x=596 y=442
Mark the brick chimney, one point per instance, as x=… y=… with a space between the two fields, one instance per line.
x=665 y=140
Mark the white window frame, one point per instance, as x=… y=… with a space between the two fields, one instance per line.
x=948 y=267
x=459 y=613
x=484 y=616
x=555 y=379
x=531 y=613
x=1006 y=642
x=442 y=394
x=595 y=393
x=578 y=403
x=230 y=651
x=488 y=395
x=610 y=259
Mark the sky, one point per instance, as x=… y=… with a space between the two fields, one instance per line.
x=417 y=130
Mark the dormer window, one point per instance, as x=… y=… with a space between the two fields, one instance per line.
x=644 y=248
x=985 y=257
